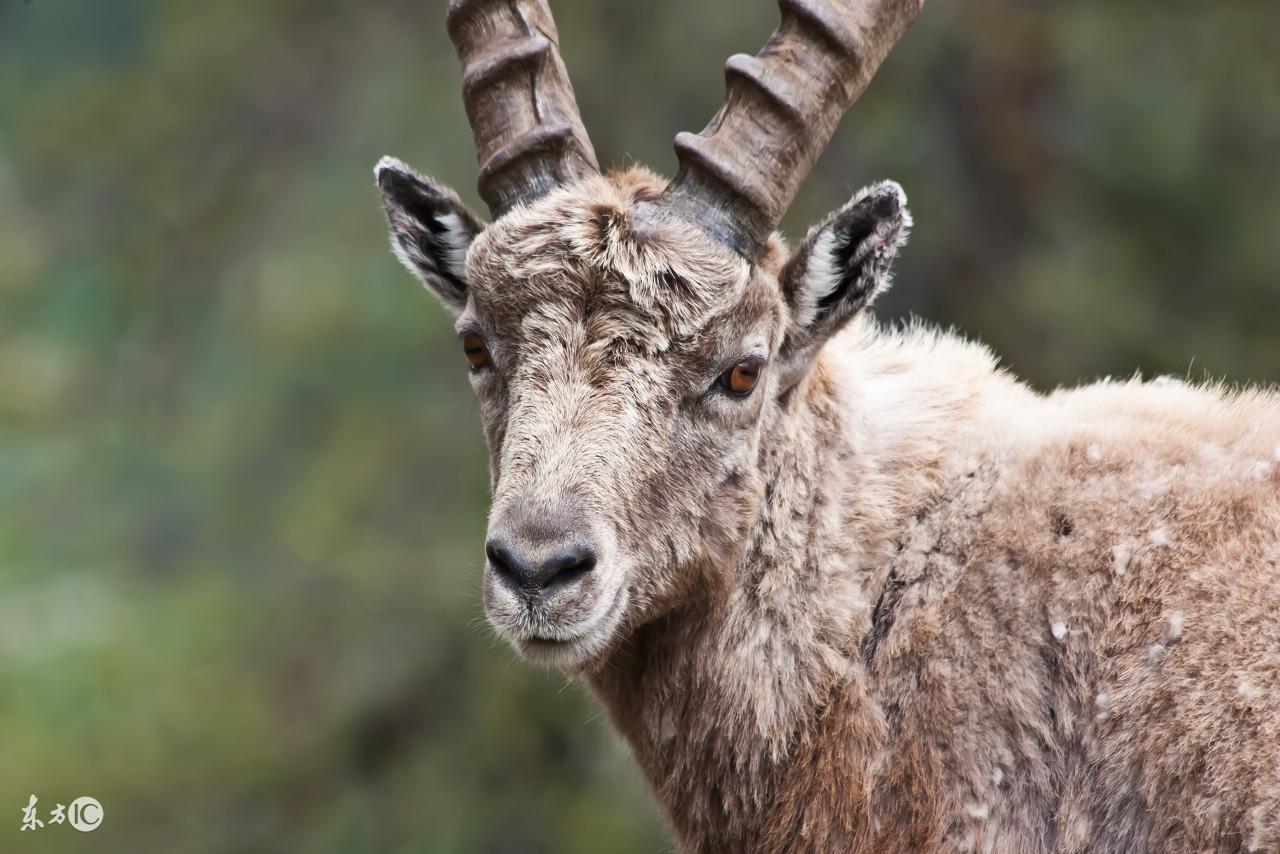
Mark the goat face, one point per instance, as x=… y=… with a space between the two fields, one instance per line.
x=626 y=367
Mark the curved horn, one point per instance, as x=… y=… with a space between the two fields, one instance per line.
x=529 y=136
x=739 y=175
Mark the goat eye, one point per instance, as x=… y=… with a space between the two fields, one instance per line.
x=741 y=379
x=477 y=353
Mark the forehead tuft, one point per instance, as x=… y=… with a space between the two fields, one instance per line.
x=596 y=246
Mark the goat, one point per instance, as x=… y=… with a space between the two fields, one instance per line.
x=839 y=587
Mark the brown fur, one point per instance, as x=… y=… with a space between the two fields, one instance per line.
x=899 y=602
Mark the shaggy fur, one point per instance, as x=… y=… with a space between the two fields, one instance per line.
x=893 y=600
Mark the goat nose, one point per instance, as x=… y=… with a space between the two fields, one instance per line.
x=532 y=575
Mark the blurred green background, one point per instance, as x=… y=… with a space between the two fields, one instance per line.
x=242 y=483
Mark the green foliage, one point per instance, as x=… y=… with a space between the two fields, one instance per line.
x=242 y=485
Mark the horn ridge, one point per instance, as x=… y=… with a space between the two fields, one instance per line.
x=528 y=131
x=781 y=107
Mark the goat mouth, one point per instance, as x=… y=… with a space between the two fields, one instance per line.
x=538 y=642
x=566 y=654
x=551 y=640
x=574 y=650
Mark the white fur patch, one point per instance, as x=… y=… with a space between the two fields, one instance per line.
x=1121 y=555
x=1059 y=630
x=820 y=278
x=1174 y=631
x=1078 y=832
x=447 y=235
x=1214 y=453
x=822 y=270
x=1160 y=538
x=393 y=163
x=1153 y=489
x=668 y=728
x=455 y=240
x=1258 y=820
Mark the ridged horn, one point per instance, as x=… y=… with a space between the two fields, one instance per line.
x=738 y=177
x=529 y=135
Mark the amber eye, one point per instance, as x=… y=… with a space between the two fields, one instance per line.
x=477 y=353
x=742 y=377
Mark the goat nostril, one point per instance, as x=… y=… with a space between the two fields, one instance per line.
x=504 y=562
x=561 y=569
x=567 y=566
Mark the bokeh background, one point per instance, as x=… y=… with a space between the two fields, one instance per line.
x=242 y=484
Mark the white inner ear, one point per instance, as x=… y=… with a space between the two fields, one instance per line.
x=454 y=240
x=821 y=276
x=451 y=244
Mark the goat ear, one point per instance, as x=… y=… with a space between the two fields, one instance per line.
x=841 y=265
x=431 y=229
